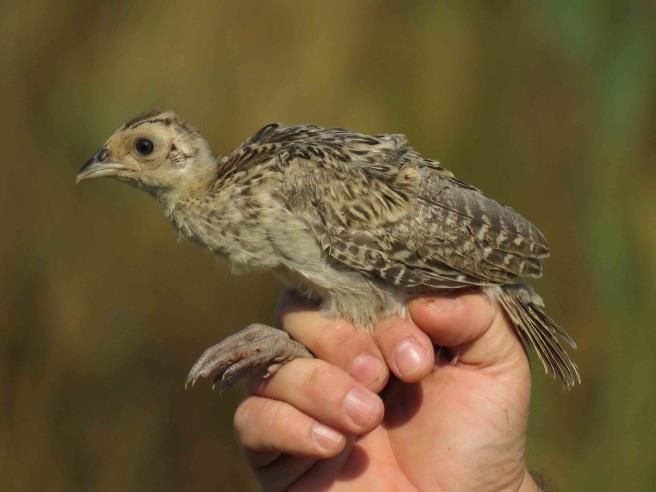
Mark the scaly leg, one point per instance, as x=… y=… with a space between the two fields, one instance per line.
x=255 y=348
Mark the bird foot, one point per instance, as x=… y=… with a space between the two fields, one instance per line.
x=256 y=348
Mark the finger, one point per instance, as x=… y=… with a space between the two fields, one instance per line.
x=265 y=428
x=408 y=350
x=348 y=406
x=471 y=324
x=334 y=340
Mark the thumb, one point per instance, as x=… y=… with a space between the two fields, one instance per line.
x=473 y=327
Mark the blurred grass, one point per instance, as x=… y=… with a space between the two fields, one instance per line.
x=549 y=107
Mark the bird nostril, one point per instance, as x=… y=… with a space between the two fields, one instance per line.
x=102 y=154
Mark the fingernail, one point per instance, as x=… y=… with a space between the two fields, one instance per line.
x=408 y=357
x=367 y=369
x=328 y=439
x=442 y=304
x=361 y=406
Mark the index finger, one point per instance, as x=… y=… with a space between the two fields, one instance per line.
x=333 y=340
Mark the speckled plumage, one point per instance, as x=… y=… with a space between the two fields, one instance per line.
x=359 y=222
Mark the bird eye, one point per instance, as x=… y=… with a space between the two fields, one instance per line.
x=144 y=146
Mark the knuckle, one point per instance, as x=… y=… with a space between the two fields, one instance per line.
x=241 y=420
x=389 y=332
x=311 y=378
x=340 y=334
x=307 y=374
x=258 y=413
x=309 y=383
x=316 y=375
x=244 y=417
x=324 y=386
x=272 y=415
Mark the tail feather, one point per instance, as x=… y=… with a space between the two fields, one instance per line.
x=537 y=330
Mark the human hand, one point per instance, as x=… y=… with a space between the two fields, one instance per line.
x=460 y=426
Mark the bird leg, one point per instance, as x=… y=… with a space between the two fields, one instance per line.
x=256 y=348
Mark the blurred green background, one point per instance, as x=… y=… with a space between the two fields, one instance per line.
x=548 y=106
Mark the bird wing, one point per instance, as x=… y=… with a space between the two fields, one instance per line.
x=381 y=208
x=309 y=142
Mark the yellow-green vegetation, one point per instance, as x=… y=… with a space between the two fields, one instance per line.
x=547 y=106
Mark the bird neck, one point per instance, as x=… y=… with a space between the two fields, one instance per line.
x=190 y=186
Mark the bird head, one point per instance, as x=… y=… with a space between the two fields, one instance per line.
x=157 y=152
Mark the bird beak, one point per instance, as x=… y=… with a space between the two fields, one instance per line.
x=99 y=166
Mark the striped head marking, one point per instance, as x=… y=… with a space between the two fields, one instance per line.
x=156 y=151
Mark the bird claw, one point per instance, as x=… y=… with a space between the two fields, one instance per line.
x=251 y=350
